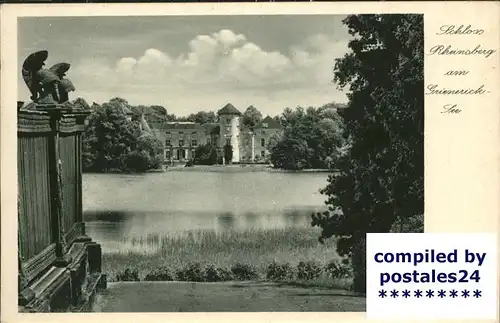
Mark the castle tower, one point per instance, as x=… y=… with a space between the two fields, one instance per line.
x=229 y=122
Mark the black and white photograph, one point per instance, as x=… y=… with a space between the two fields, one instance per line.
x=214 y=163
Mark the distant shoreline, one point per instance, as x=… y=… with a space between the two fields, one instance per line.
x=241 y=168
x=218 y=169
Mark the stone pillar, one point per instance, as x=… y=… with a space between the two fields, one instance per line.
x=235 y=138
x=253 y=147
x=186 y=154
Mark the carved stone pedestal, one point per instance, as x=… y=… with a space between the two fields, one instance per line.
x=59 y=266
x=67 y=288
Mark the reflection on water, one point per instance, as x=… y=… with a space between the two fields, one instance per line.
x=121 y=210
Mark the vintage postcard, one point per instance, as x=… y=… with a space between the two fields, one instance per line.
x=229 y=160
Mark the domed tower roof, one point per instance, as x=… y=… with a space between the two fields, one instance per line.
x=229 y=109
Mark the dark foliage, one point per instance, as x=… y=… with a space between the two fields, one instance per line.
x=228 y=153
x=113 y=142
x=160 y=274
x=244 y=272
x=279 y=272
x=380 y=177
x=308 y=270
x=251 y=117
x=205 y=155
x=128 y=275
x=215 y=274
x=311 y=139
x=194 y=272
x=337 y=270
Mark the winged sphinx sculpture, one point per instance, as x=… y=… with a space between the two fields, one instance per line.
x=47 y=86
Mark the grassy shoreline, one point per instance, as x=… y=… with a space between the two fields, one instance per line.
x=253 y=250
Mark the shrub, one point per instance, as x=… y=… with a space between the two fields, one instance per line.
x=193 y=273
x=214 y=274
x=160 y=274
x=308 y=270
x=244 y=272
x=278 y=272
x=337 y=270
x=155 y=162
x=128 y=275
x=137 y=161
x=205 y=155
x=225 y=274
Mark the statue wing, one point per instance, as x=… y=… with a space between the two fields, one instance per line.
x=60 y=69
x=67 y=85
x=32 y=64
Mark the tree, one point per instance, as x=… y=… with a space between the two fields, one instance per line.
x=152 y=147
x=316 y=131
x=251 y=117
x=202 y=117
x=273 y=141
x=154 y=115
x=290 y=153
x=380 y=177
x=205 y=155
x=113 y=143
x=228 y=153
x=108 y=137
x=81 y=104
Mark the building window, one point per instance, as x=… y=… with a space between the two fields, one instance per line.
x=194 y=133
x=167 y=133
x=181 y=142
x=181 y=133
x=228 y=120
x=167 y=154
x=194 y=143
x=167 y=142
x=263 y=153
x=228 y=141
x=263 y=142
x=208 y=141
x=265 y=125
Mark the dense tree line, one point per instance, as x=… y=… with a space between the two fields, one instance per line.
x=311 y=137
x=381 y=174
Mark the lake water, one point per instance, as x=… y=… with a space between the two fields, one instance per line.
x=121 y=208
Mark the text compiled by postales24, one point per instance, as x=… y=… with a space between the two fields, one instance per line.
x=432 y=276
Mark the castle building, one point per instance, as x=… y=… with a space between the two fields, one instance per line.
x=181 y=139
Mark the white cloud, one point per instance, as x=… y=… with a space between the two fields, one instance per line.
x=219 y=68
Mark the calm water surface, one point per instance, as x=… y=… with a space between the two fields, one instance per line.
x=122 y=208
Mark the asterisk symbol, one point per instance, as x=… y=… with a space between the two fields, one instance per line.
x=394 y=293
x=453 y=293
x=430 y=293
x=382 y=293
x=465 y=293
x=418 y=293
x=477 y=293
x=406 y=293
x=441 y=293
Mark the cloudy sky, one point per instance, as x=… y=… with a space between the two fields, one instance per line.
x=197 y=63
